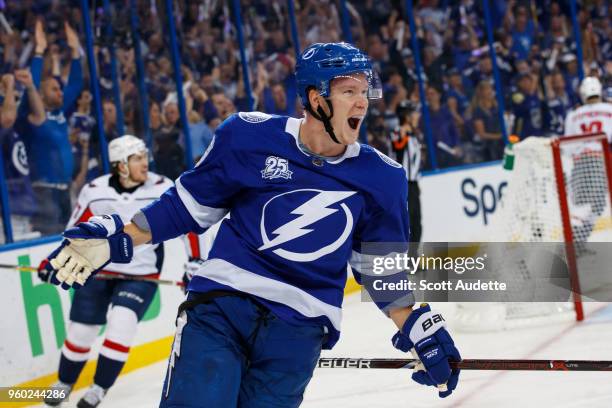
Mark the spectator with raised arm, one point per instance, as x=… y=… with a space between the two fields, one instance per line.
x=523 y=32
x=16 y=167
x=47 y=142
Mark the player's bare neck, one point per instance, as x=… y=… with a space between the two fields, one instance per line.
x=128 y=183
x=312 y=134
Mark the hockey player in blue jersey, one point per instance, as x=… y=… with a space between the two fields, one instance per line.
x=302 y=196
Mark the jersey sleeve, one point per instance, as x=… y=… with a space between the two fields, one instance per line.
x=82 y=211
x=383 y=232
x=201 y=196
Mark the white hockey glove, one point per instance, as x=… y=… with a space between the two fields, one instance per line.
x=88 y=247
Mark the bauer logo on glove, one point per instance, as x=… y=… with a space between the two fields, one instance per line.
x=428 y=323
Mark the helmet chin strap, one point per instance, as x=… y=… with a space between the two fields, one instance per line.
x=322 y=116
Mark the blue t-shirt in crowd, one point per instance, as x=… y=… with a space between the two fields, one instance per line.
x=522 y=40
x=48 y=145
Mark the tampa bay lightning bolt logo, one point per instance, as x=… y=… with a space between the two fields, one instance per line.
x=311 y=207
x=308 y=54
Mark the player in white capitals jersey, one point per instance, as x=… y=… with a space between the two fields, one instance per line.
x=304 y=200
x=594 y=116
x=588 y=182
x=118 y=303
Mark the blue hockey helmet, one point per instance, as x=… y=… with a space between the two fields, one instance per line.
x=322 y=62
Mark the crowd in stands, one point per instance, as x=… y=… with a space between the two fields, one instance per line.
x=51 y=139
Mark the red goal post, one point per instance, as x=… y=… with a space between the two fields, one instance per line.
x=560 y=190
x=604 y=155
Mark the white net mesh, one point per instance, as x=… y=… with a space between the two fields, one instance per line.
x=586 y=182
x=530 y=211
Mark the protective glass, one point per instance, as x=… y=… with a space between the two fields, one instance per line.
x=373 y=80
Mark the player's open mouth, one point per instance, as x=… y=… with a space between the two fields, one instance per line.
x=353 y=122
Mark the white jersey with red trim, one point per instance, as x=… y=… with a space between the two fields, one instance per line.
x=590 y=118
x=101 y=197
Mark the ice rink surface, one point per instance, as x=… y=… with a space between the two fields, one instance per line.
x=367 y=333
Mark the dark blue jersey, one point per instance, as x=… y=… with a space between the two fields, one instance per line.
x=557 y=110
x=295 y=220
x=17 y=173
x=527 y=110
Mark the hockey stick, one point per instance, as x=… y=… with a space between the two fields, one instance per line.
x=104 y=275
x=472 y=364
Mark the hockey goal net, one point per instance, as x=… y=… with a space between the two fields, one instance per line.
x=558 y=191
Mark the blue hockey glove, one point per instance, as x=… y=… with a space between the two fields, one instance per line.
x=424 y=333
x=88 y=247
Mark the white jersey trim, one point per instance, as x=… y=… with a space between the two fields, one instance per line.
x=205 y=216
x=246 y=281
